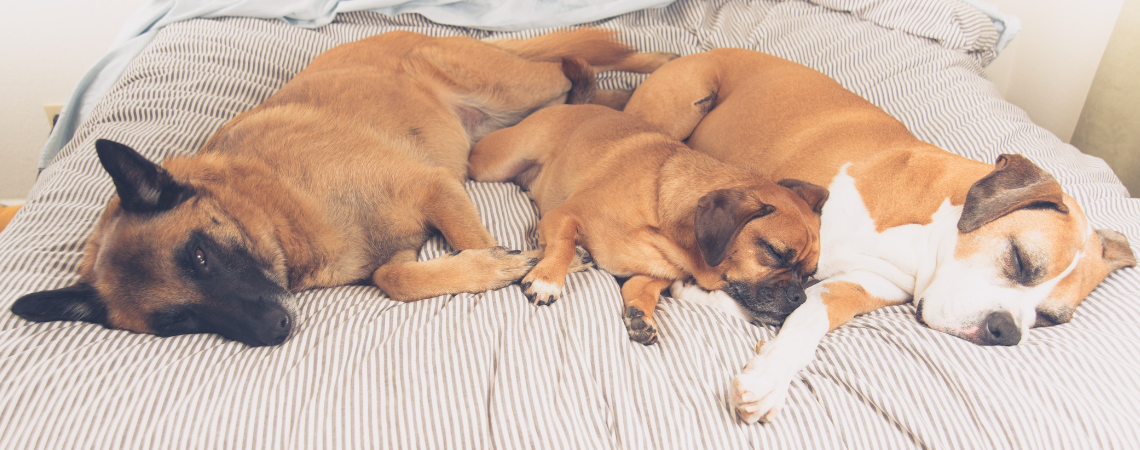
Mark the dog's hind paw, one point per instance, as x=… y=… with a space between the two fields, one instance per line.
x=641 y=327
x=582 y=260
x=501 y=265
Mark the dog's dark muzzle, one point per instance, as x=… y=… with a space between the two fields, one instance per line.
x=769 y=303
x=271 y=327
x=259 y=323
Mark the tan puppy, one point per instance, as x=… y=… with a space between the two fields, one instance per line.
x=649 y=208
x=988 y=251
x=340 y=177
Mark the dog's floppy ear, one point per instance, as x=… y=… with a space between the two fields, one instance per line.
x=79 y=302
x=720 y=216
x=1014 y=184
x=1116 y=251
x=143 y=186
x=814 y=195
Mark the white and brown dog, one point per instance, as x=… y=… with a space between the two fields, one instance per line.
x=988 y=251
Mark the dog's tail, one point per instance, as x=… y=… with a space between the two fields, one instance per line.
x=583 y=83
x=595 y=46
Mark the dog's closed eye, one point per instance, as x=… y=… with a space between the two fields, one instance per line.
x=1020 y=266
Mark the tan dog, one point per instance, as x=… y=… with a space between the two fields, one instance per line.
x=988 y=251
x=340 y=177
x=649 y=208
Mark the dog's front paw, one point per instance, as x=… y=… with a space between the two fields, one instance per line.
x=761 y=389
x=538 y=291
x=641 y=327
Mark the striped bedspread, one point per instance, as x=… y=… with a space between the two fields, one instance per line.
x=493 y=371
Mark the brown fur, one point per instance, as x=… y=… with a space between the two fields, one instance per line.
x=786 y=120
x=340 y=177
x=634 y=197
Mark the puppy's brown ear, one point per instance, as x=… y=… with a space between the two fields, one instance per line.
x=1014 y=184
x=1117 y=253
x=814 y=195
x=720 y=216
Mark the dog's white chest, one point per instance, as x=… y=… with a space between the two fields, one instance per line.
x=904 y=256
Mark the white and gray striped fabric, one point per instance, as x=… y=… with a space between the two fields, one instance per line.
x=493 y=371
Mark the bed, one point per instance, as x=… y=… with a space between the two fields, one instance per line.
x=491 y=370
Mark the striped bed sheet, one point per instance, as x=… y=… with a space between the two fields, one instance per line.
x=493 y=371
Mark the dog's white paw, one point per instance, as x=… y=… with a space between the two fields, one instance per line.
x=761 y=389
x=691 y=292
x=540 y=292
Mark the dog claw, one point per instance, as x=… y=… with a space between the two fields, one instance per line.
x=549 y=300
x=537 y=294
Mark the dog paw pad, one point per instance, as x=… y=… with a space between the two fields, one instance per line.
x=641 y=328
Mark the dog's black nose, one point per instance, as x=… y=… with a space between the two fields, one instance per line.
x=274 y=327
x=999 y=328
x=795 y=295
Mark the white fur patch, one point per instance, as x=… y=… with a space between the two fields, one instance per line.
x=717 y=299
x=543 y=289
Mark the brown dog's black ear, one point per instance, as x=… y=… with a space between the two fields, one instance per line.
x=814 y=195
x=143 y=186
x=1116 y=251
x=78 y=302
x=720 y=216
x=1014 y=184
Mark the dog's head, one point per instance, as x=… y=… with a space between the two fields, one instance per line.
x=1025 y=256
x=174 y=256
x=764 y=242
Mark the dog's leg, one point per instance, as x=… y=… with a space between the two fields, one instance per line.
x=404 y=279
x=478 y=265
x=501 y=87
x=641 y=294
x=504 y=154
x=557 y=235
x=677 y=96
x=760 y=390
x=449 y=210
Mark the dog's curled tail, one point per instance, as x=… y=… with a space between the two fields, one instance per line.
x=595 y=46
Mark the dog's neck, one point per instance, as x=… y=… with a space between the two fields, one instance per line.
x=685 y=177
x=908 y=186
x=907 y=255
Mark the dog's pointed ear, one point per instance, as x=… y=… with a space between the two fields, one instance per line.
x=1014 y=184
x=78 y=302
x=720 y=216
x=814 y=195
x=1115 y=249
x=143 y=186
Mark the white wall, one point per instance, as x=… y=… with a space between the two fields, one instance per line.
x=1049 y=66
x=46 y=47
x=1110 y=121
